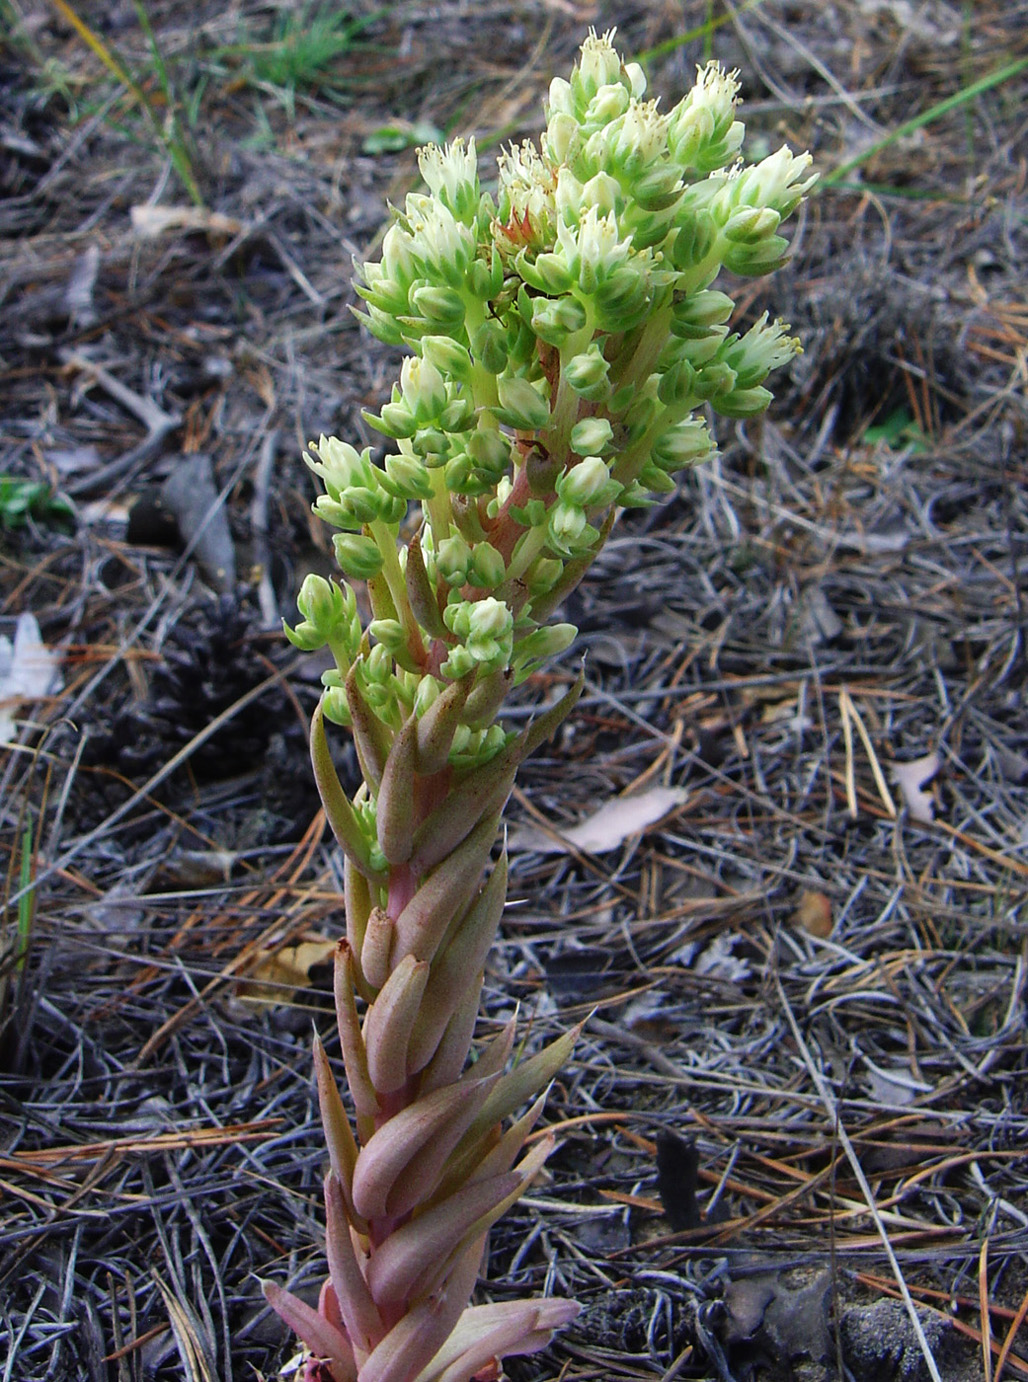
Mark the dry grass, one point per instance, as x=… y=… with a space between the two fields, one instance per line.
x=820 y=992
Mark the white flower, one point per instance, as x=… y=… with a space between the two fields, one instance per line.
x=452 y=175
x=599 y=64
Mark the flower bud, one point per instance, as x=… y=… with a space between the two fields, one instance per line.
x=541 y=644
x=588 y=484
x=458 y=415
x=423 y=388
x=751 y=224
x=658 y=481
x=431 y=446
x=306 y=636
x=320 y=602
x=406 y=478
x=715 y=378
x=335 y=708
x=389 y=633
x=543 y=575
x=522 y=405
x=568 y=529
x=453 y=559
x=443 y=307
x=490 y=450
x=358 y=556
x=554 y=319
x=591 y=436
x=695 y=313
x=685 y=443
x=457 y=665
x=676 y=384
x=448 y=356
x=489 y=346
x=395 y=420
x=742 y=402
x=487 y=569
x=587 y=374
x=427 y=693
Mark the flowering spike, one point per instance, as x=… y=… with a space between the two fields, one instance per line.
x=561 y=343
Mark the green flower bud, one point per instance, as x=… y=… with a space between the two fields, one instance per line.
x=676 y=383
x=378 y=666
x=335 y=707
x=431 y=446
x=540 y=645
x=591 y=436
x=554 y=319
x=459 y=663
x=490 y=450
x=339 y=464
x=389 y=633
x=461 y=476
x=522 y=405
x=543 y=575
x=489 y=346
x=568 y=530
x=485 y=280
x=610 y=101
x=588 y=485
x=423 y=388
x=426 y=694
x=458 y=415
x=453 y=559
x=358 y=556
x=448 y=356
x=306 y=636
x=695 y=313
x=321 y=603
x=406 y=478
x=742 y=402
x=695 y=236
x=686 y=443
x=651 y=477
x=751 y=225
x=487 y=568
x=715 y=378
x=587 y=374
x=443 y=307
x=395 y=420
x=546 y=273
x=753 y=261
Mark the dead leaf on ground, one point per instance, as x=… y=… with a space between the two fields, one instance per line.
x=614 y=823
x=912 y=778
x=28 y=672
x=275 y=976
x=152 y=221
x=813 y=913
x=190 y=493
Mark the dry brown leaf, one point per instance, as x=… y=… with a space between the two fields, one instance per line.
x=152 y=221
x=614 y=823
x=273 y=977
x=813 y=914
x=912 y=778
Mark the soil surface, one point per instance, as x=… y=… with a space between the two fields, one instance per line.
x=796 y=1121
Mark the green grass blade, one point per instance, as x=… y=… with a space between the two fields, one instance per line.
x=926 y=117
